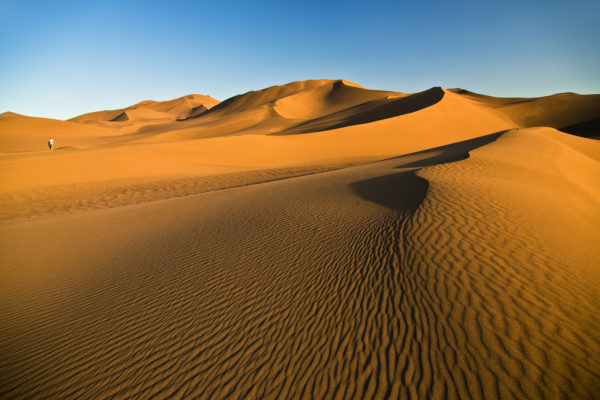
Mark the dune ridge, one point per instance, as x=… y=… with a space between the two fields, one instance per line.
x=74 y=198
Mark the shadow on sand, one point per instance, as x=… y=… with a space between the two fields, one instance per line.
x=587 y=129
x=369 y=112
x=405 y=191
x=400 y=191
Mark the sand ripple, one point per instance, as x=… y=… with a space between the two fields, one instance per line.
x=314 y=288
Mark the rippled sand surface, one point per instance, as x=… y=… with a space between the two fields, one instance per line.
x=439 y=251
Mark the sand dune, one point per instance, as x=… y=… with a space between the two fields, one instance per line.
x=180 y=108
x=569 y=112
x=323 y=105
x=273 y=109
x=310 y=240
x=422 y=121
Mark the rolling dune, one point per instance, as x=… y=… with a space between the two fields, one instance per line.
x=569 y=112
x=310 y=240
x=149 y=110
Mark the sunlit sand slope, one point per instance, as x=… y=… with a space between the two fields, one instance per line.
x=80 y=197
x=385 y=128
x=274 y=110
x=150 y=111
x=503 y=253
x=23 y=134
x=303 y=107
x=569 y=112
x=374 y=281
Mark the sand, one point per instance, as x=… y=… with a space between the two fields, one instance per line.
x=310 y=240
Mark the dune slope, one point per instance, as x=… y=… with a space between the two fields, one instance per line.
x=276 y=109
x=374 y=281
x=149 y=112
x=375 y=129
x=569 y=112
x=299 y=108
x=24 y=134
x=503 y=248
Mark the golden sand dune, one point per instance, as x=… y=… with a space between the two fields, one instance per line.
x=379 y=245
x=272 y=110
x=150 y=111
x=569 y=112
x=354 y=124
x=308 y=107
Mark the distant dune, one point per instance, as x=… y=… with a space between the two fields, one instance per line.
x=310 y=240
x=569 y=112
x=148 y=111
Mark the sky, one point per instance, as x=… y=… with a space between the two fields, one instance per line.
x=60 y=59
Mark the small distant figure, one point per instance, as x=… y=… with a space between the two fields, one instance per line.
x=50 y=143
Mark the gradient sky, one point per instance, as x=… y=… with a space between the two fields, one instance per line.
x=59 y=59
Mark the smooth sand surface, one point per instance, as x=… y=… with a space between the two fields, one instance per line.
x=322 y=241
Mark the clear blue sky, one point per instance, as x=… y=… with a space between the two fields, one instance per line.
x=59 y=59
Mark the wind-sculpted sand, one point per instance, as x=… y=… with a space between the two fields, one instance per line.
x=463 y=267
x=74 y=198
x=507 y=272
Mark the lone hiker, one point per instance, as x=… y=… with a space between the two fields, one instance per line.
x=50 y=143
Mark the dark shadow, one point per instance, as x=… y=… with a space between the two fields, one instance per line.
x=121 y=117
x=586 y=129
x=405 y=191
x=401 y=191
x=447 y=153
x=369 y=112
x=492 y=100
x=66 y=148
